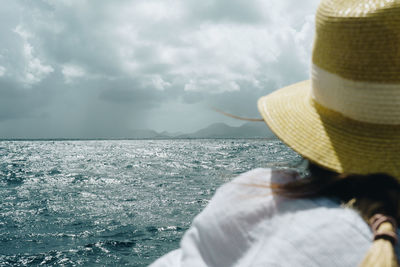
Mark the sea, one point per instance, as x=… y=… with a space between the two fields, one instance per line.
x=116 y=202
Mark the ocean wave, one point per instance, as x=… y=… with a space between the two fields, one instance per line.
x=114 y=202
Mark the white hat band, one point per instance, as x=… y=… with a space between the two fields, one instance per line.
x=362 y=101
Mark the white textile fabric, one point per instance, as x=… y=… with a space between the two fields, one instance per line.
x=245 y=225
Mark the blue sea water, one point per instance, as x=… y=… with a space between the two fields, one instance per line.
x=114 y=203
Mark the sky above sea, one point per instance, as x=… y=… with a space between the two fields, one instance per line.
x=83 y=68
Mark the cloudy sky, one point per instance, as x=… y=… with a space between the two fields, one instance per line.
x=101 y=68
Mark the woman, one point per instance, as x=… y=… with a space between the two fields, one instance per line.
x=346 y=122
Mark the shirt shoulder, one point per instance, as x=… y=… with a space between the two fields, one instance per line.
x=246 y=225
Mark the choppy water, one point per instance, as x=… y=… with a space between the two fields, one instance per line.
x=113 y=203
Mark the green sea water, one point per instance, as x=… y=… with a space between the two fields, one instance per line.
x=114 y=203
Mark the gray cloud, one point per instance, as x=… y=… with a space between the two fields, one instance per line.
x=235 y=11
x=73 y=68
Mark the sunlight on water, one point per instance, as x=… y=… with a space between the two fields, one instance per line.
x=113 y=202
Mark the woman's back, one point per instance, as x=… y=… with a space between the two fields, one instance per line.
x=245 y=225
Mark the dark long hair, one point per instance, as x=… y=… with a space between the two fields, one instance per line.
x=378 y=188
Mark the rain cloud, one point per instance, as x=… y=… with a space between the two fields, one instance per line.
x=97 y=68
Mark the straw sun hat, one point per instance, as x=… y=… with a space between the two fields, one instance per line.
x=347 y=116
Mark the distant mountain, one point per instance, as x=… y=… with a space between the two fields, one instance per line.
x=216 y=130
x=171 y=135
x=146 y=134
x=221 y=130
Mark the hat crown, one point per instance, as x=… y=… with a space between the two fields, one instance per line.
x=348 y=117
x=359 y=39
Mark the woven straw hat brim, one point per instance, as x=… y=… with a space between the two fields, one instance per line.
x=328 y=138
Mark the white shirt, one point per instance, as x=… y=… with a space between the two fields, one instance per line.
x=245 y=225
